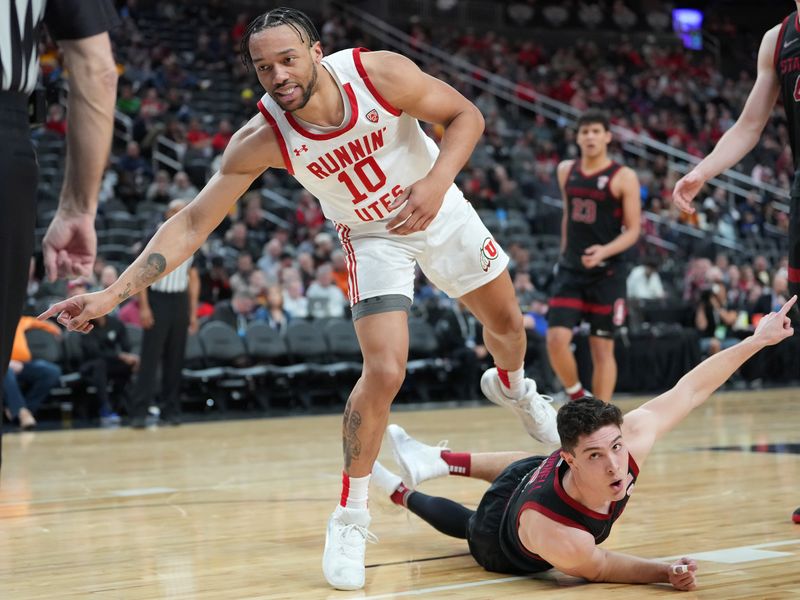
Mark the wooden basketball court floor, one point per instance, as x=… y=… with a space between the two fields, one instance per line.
x=237 y=509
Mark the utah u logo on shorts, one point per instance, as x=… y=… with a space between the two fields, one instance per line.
x=488 y=253
x=372 y=116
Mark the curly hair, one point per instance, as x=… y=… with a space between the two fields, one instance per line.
x=583 y=417
x=276 y=17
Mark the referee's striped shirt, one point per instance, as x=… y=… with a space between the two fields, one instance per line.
x=176 y=281
x=20 y=22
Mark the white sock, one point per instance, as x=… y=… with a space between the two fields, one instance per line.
x=354 y=491
x=512 y=383
x=574 y=388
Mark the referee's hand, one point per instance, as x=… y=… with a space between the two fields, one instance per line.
x=69 y=246
x=76 y=313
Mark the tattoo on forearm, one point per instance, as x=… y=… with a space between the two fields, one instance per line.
x=351 y=445
x=126 y=293
x=154 y=266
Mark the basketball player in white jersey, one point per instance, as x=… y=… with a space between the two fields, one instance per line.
x=346 y=127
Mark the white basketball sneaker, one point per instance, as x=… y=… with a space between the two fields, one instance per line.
x=345 y=547
x=418 y=462
x=534 y=410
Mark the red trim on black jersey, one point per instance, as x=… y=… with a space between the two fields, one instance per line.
x=778 y=44
x=577 y=505
x=596 y=173
x=351 y=96
x=794 y=275
x=535 y=506
x=278 y=136
x=610 y=181
x=372 y=90
x=634 y=468
x=797 y=21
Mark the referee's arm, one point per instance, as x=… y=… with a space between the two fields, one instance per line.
x=90 y=109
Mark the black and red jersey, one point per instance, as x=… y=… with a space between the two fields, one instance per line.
x=787 y=65
x=594 y=213
x=541 y=490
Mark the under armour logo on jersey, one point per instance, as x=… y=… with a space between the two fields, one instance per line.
x=299 y=151
x=602 y=181
x=372 y=116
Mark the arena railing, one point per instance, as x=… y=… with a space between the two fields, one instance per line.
x=733 y=182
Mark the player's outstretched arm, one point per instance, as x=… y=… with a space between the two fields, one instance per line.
x=574 y=552
x=644 y=425
x=744 y=135
x=250 y=152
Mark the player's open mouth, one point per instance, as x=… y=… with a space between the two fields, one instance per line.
x=617 y=485
x=288 y=93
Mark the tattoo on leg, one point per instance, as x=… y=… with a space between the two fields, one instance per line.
x=351 y=445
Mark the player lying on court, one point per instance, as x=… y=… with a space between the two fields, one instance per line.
x=553 y=511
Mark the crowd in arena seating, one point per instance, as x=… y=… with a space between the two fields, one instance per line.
x=270 y=263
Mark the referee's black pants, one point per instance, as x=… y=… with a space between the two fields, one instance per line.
x=162 y=345
x=19 y=172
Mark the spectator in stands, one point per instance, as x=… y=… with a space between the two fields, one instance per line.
x=644 y=282
x=306 y=267
x=222 y=136
x=182 y=188
x=215 y=283
x=127 y=102
x=274 y=314
x=198 y=138
x=323 y=248
x=152 y=106
x=258 y=286
x=294 y=302
x=270 y=260
x=258 y=228
x=56 y=122
x=161 y=189
x=108 y=360
x=240 y=280
x=460 y=337
x=714 y=320
x=237 y=312
x=238 y=240
x=36 y=376
x=325 y=299
x=308 y=214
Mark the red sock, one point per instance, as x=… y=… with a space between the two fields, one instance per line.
x=580 y=393
x=459 y=462
x=502 y=375
x=400 y=494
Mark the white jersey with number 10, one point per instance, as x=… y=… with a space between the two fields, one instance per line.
x=357 y=169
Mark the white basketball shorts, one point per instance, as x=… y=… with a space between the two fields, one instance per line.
x=457 y=253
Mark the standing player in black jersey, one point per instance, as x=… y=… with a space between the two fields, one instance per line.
x=553 y=511
x=778 y=74
x=602 y=213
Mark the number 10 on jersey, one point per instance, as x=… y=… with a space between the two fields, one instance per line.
x=371 y=178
